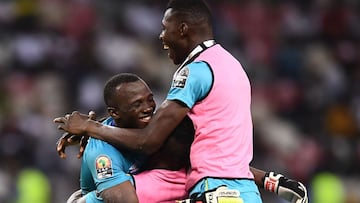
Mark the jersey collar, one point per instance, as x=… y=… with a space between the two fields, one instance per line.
x=197 y=50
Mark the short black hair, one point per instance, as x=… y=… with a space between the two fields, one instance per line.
x=194 y=11
x=113 y=82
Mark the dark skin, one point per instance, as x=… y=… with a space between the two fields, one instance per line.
x=180 y=35
x=133 y=106
x=149 y=139
x=180 y=38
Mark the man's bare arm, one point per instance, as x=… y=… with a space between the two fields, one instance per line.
x=146 y=140
x=124 y=192
x=259 y=176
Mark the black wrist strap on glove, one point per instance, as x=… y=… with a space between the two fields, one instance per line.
x=291 y=190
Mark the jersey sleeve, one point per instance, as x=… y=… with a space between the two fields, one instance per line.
x=191 y=83
x=86 y=181
x=92 y=198
x=107 y=165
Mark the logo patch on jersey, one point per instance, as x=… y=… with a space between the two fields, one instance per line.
x=181 y=77
x=103 y=167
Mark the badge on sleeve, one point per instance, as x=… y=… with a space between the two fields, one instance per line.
x=181 y=77
x=103 y=167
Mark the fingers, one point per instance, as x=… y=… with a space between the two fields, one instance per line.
x=59 y=120
x=61 y=149
x=83 y=143
x=61 y=144
x=65 y=140
x=74 y=139
x=64 y=118
x=69 y=139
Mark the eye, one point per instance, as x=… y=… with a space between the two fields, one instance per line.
x=136 y=104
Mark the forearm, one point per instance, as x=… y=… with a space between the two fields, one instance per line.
x=146 y=140
x=123 y=192
x=258 y=176
x=132 y=139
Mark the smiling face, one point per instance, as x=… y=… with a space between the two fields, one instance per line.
x=174 y=37
x=133 y=105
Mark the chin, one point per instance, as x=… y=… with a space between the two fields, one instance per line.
x=176 y=62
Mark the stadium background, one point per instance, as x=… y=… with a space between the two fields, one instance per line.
x=302 y=57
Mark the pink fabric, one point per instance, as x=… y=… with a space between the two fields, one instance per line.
x=160 y=186
x=223 y=145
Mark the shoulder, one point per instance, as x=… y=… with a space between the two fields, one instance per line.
x=194 y=71
x=96 y=147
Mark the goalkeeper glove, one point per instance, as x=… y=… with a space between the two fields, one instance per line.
x=290 y=190
x=76 y=197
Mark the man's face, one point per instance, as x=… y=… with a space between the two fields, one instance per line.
x=136 y=105
x=173 y=38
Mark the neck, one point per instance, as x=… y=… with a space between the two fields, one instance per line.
x=201 y=46
x=197 y=40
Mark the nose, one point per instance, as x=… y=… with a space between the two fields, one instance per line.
x=149 y=108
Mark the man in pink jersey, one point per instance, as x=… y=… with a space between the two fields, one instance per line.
x=211 y=87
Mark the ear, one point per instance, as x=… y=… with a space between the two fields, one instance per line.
x=113 y=112
x=183 y=29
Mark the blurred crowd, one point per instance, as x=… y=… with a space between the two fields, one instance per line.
x=302 y=58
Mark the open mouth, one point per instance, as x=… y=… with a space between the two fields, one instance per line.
x=146 y=119
x=165 y=47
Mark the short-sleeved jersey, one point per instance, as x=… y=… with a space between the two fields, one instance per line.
x=197 y=81
x=103 y=166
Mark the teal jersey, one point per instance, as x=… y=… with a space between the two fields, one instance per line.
x=104 y=166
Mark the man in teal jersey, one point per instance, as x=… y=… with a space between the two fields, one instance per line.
x=106 y=172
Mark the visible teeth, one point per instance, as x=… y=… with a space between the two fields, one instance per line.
x=166 y=46
x=146 y=119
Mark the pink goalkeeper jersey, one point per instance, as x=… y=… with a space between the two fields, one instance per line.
x=223 y=145
x=160 y=186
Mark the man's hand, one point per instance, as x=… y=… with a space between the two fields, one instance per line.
x=290 y=190
x=68 y=139
x=74 y=123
